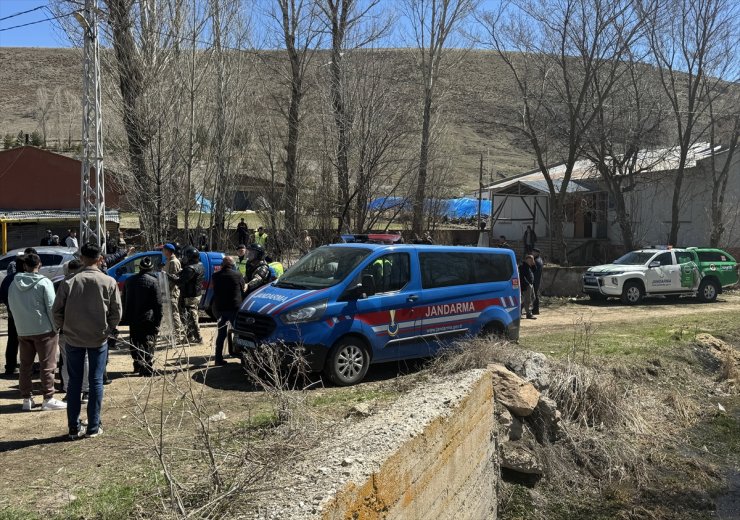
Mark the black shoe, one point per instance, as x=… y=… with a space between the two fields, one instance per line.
x=137 y=367
x=220 y=362
x=530 y=317
x=106 y=380
x=197 y=340
x=535 y=312
x=85 y=397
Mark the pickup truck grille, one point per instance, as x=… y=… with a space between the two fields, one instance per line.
x=258 y=324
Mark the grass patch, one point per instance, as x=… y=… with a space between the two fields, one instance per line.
x=352 y=396
x=259 y=420
x=111 y=501
x=12 y=513
x=516 y=503
x=725 y=433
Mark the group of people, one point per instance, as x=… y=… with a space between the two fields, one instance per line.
x=79 y=319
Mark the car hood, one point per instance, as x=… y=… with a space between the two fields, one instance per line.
x=614 y=268
x=272 y=300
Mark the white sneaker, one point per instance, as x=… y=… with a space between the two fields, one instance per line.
x=53 y=404
x=96 y=434
x=28 y=404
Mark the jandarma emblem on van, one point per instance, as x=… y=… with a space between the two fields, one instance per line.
x=449 y=308
x=393 y=326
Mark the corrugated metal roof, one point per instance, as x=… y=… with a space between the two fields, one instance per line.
x=32 y=215
x=584 y=171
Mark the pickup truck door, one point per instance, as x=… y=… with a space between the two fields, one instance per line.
x=665 y=277
x=690 y=276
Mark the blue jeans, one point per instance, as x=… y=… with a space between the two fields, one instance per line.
x=223 y=319
x=76 y=359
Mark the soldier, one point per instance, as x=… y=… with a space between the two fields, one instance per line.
x=172 y=268
x=190 y=282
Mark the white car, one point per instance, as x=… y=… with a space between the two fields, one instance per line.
x=53 y=259
x=646 y=272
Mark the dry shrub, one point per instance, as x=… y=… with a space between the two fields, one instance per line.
x=728 y=367
x=684 y=409
x=470 y=354
x=593 y=398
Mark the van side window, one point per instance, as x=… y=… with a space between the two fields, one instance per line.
x=684 y=257
x=711 y=256
x=390 y=272
x=449 y=269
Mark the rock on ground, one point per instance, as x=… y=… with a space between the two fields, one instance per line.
x=516 y=394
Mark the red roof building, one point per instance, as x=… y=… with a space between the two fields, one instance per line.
x=36 y=179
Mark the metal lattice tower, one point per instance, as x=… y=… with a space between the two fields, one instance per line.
x=92 y=185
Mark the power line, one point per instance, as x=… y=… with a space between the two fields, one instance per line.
x=22 y=12
x=36 y=22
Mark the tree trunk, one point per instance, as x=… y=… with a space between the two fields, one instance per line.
x=291 y=156
x=560 y=248
x=418 y=218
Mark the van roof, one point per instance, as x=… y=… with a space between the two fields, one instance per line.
x=427 y=247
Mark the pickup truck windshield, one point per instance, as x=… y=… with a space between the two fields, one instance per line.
x=634 y=258
x=323 y=267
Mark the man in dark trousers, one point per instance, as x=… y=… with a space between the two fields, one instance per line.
x=242 y=232
x=539 y=265
x=11 y=349
x=142 y=310
x=529 y=239
x=228 y=289
x=526 y=282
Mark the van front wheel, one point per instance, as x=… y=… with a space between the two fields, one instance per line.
x=348 y=362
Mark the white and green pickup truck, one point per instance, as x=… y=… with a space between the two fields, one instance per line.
x=700 y=272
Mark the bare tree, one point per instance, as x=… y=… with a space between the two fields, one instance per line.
x=693 y=43
x=43 y=112
x=627 y=123
x=563 y=49
x=433 y=23
x=724 y=126
x=298 y=26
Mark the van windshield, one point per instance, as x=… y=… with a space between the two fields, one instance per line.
x=322 y=267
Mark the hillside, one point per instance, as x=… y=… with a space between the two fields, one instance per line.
x=472 y=92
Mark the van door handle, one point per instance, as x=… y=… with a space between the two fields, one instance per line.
x=412 y=298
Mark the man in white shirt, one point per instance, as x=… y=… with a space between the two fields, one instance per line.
x=71 y=240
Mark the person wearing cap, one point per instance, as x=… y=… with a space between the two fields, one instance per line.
x=142 y=310
x=88 y=308
x=241 y=260
x=172 y=268
x=539 y=265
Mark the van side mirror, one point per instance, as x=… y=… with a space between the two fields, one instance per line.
x=654 y=263
x=368 y=285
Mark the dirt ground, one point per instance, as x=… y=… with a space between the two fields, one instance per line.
x=42 y=471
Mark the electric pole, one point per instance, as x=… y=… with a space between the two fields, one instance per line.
x=92 y=183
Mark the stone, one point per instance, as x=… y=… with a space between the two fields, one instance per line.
x=545 y=420
x=514 y=455
x=360 y=410
x=533 y=367
x=347 y=461
x=516 y=430
x=504 y=419
x=516 y=394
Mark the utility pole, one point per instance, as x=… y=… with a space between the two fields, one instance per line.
x=92 y=182
x=480 y=188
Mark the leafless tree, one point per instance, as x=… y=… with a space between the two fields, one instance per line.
x=434 y=24
x=300 y=35
x=563 y=48
x=43 y=112
x=724 y=126
x=627 y=123
x=694 y=45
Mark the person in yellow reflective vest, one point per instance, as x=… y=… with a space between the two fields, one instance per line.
x=260 y=237
x=275 y=267
x=241 y=260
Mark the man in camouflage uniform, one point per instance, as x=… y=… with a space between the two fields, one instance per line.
x=172 y=268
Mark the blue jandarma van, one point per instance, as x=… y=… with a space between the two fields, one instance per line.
x=350 y=305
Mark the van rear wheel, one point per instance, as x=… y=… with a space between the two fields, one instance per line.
x=348 y=362
x=708 y=290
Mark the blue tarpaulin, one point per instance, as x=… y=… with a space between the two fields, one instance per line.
x=204 y=205
x=451 y=208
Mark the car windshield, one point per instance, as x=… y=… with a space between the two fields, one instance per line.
x=322 y=267
x=634 y=258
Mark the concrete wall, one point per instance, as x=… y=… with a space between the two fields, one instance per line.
x=562 y=281
x=446 y=472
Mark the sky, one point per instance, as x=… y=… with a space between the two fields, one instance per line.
x=39 y=35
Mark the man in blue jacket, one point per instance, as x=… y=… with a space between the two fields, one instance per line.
x=31 y=297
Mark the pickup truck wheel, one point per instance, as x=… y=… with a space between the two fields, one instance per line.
x=632 y=293
x=348 y=362
x=708 y=291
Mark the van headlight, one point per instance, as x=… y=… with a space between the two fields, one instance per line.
x=311 y=312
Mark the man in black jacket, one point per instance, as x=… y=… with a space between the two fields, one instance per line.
x=142 y=310
x=539 y=266
x=526 y=281
x=190 y=282
x=228 y=290
x=258 y=272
